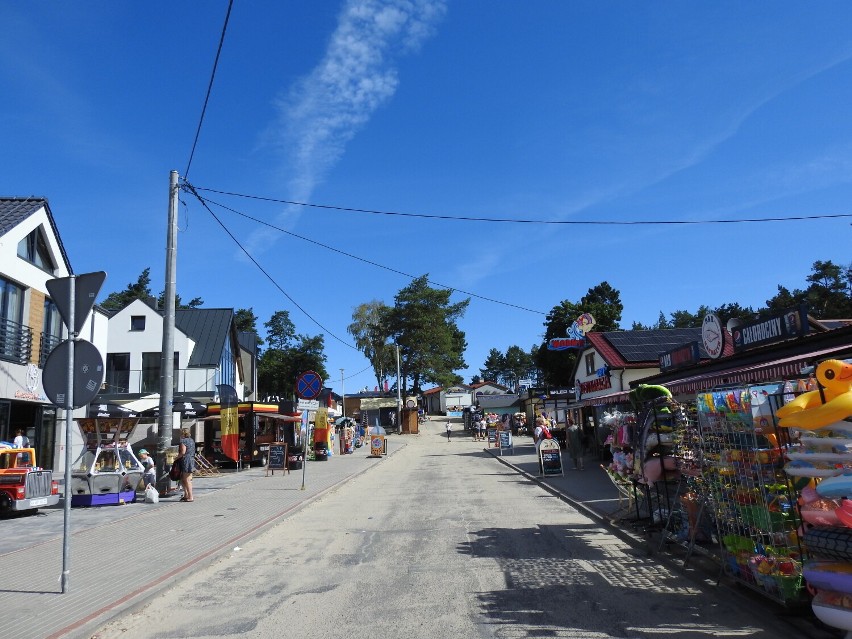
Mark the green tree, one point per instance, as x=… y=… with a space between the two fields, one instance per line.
x=494 y=365
x=141 y=289
x=288 y=356
x=423 y=324
x=603 y=302
x=246 y=322
x=369 y=327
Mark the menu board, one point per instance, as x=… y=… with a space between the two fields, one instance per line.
x=551 y=460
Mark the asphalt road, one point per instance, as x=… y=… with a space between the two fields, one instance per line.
x=440 y=540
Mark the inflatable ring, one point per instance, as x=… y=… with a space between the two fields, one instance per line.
x=831 y=542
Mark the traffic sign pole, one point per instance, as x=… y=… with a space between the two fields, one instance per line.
x=66 y=524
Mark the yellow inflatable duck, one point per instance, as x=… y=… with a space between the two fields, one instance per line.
x=809 y=411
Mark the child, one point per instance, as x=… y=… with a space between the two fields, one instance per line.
x=149 y=476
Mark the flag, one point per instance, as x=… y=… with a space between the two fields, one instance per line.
x=229 y=420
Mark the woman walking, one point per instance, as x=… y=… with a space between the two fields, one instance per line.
x=575 y=444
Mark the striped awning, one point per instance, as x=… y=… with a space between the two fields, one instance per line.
x=773 y=370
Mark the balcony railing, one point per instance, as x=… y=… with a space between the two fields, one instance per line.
x=186 y=381
x=48 y=343
x=16 y=342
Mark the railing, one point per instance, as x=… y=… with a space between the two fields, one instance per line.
x=186 y=381
x=48 y=343
x=16 y=342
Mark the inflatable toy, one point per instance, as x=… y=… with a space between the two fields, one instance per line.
x=830 y=542
x=652 y=470
x=808 y=468
x=830 y=575
x=821 y=512
x=844 y=513
x=833 y=609
x=836 y=487
x=817 y=409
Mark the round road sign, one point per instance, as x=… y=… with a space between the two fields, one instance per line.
x=308 y=385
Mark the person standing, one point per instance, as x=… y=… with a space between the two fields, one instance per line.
x=186 y=451
x=149 y=474
x=575 y=444
x=21 y=440
x=449 y=430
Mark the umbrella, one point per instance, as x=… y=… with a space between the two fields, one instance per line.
x=108 y=409
x=376 y=430
x=344 y=420
x=186 y=406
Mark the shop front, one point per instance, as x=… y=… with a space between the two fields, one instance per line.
x=727 y=476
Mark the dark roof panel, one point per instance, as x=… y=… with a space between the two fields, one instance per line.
x=14 y=210
x=209 y=327
x=646 y=346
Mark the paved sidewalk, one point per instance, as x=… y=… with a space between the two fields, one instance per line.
x=120 y=556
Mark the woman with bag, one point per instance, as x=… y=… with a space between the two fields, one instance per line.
x=186 y=452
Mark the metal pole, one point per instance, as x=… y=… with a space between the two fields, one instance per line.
x=167 y=358
x=69 y=418
x=343 y=421
x=398 y=394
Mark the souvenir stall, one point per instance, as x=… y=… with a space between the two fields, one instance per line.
x=107 y=472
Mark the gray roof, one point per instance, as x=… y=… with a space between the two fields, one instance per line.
x=646 y=346
x=209 y=327
x=14 y=210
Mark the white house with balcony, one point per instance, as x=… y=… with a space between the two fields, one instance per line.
x=31 y=254
x=207 y=352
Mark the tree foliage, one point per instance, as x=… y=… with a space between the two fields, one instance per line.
x=603 y=302
x=141 y=289
x=423 y=323
x=288 y=355
x=370 y=329
x=509 y=367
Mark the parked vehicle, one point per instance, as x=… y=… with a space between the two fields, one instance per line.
x=23 y=485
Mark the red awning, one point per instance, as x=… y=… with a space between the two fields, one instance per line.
x=774 y=370
x=610 y=398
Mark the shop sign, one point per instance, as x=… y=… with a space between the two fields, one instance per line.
x=599 y=384
x=576 y=337
x=551 y=460
x=789 y=324
x=685 y=355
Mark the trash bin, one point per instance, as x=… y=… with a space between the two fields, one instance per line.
x=321 y=451
x=295 y=457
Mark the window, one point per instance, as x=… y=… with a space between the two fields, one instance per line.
x=137 y=323
x=16 y=340
x=33 y=248
x=151 y=372
x=590 y=364
x=51 y=332
x=117 y=378
x=227 y=372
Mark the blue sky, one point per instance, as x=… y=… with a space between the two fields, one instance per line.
x=545 y=110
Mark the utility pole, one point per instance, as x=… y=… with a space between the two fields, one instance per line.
x=167 y=357
x=398 y=395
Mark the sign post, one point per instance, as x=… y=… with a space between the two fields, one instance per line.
x=74 y=297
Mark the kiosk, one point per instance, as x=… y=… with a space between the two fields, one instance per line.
x=107 y=472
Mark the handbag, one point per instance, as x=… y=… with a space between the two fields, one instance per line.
x=174 y=473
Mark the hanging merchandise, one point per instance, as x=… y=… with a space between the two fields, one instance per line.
x=818 y=420
x=747 y=491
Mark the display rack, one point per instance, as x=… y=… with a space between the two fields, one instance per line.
x=750 y=497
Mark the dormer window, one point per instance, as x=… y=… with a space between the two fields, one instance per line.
x=33 y=248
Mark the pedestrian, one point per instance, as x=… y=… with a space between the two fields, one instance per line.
x=186 y=451
x=149 y=474
x=540 y=433
x=21 y=440
x=483 y=425
x=449 y=430
x=574 y=438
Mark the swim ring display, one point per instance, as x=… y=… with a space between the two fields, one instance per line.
x=820 y=408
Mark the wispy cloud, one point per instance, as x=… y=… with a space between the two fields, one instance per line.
x=358 y=74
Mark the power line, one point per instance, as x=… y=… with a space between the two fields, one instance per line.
x=188 y=187
x=357 y=257
x=209 y=89
x=464 y=218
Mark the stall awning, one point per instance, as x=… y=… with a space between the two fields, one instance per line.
x=773 y=370
x=610 y=398
x=276 y=416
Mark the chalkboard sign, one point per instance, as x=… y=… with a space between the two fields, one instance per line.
x=505 y=439
x=551 y=460
x=277 y=459
x=492 y=436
